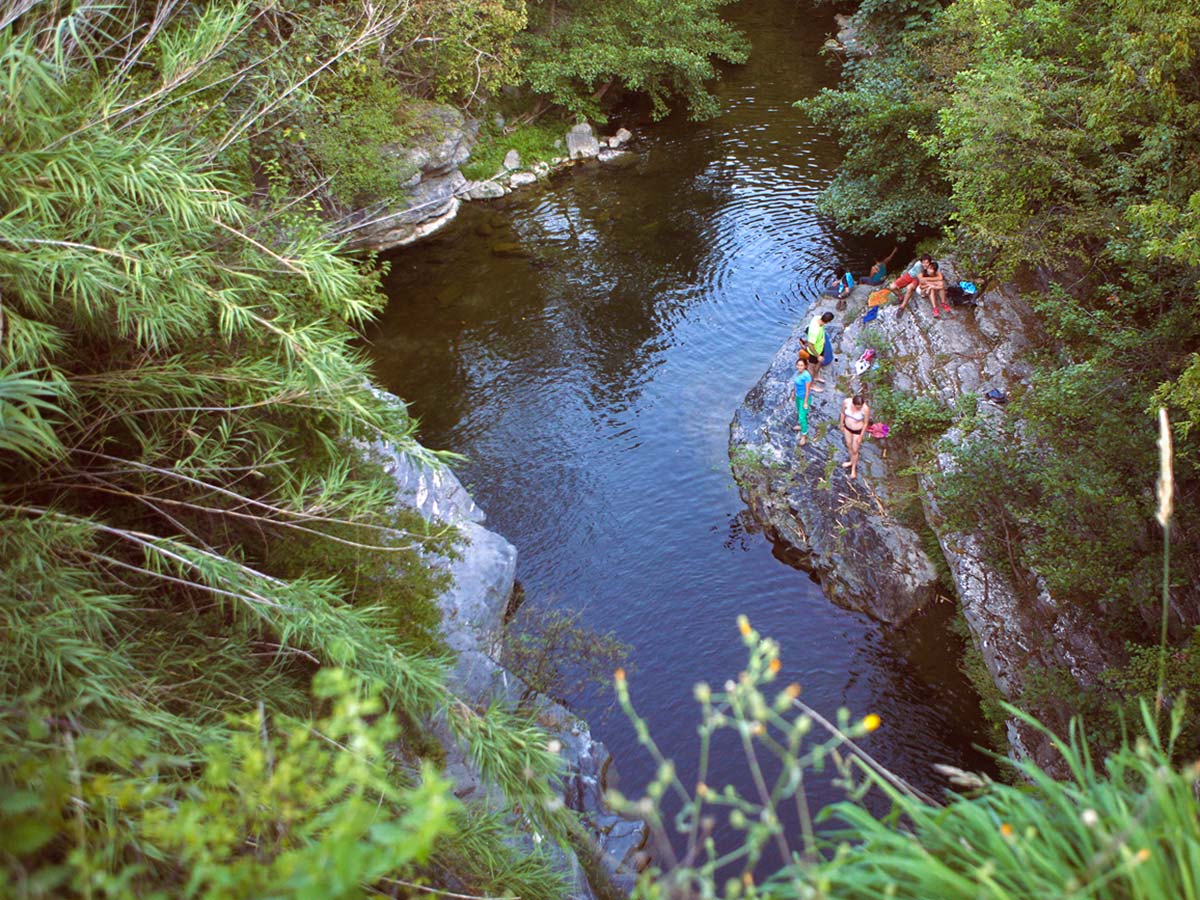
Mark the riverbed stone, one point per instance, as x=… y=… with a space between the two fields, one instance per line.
x=512 y=160
x=618 y=158
x=485 y=190
x=509 y=249
x=620 y=139
x=522 y=179
x=582 y=142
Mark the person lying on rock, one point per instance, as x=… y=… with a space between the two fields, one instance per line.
x=854 y=420
x=933 y=285
x=909 y=280
x=820 y=350
x=879 y=269
x=803 y=388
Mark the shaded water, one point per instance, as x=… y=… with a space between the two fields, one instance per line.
x=591 y=384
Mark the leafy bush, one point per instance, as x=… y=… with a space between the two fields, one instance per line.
x=911 y=417
x=359 y=112
x=574 y=50
x=271 y=807
x=181 y=369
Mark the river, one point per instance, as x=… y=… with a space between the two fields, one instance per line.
x=590 y=385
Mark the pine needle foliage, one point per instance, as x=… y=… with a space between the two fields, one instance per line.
x=179 y=391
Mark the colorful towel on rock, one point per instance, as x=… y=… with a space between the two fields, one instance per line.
x=878 y=298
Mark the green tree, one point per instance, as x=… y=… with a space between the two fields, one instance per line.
x=574 y=51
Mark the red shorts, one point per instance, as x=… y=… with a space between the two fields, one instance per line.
x=905 y=280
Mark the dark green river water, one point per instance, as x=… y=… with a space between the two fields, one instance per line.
x=591 y=384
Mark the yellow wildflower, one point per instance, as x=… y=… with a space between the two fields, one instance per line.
x=871 y=721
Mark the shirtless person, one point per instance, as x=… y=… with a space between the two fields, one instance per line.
x=932 y=284
x=909 y=280
x=854 y=420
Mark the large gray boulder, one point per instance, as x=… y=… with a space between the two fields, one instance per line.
x=841 y=530
x=847 y=533
x=582 y=142
x=1020 y=629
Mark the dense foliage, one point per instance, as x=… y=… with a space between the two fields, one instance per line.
x=575 y=50
x=1055 y=143
x=187 y=537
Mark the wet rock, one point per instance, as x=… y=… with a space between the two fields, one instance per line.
x=509 y=250
x=582 y=142
x=620 y=139
x=484 y=190
x=428 y=178
x=848 y=39
x=619 y=158
x=1017 y=625
x=847 y=533
x=521 y=179
x=482 y=574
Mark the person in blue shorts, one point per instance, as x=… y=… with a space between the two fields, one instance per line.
x=803 y=387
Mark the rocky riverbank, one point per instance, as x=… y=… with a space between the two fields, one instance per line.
x=473 y=612
x=864 y=538
x=435 y=188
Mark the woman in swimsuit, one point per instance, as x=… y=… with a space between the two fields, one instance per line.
x=855 y=420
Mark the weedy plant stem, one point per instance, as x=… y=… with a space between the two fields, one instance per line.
x=1166 y=498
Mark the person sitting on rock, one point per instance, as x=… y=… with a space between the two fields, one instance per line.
x=803 y=387
x=933 y=285
x=909 y=280
x=879 y=269
x=820 y=350
x=842 y=282
x=854 y=420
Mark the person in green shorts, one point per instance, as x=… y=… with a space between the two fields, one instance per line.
x=803 y=382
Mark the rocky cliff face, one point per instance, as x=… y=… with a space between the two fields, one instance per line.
x=433 y=187
x=849 y=533
x=473 y=610
x=843 y=531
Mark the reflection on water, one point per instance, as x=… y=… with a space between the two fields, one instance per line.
x=585 y=346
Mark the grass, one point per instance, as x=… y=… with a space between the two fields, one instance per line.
x=535 y=143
